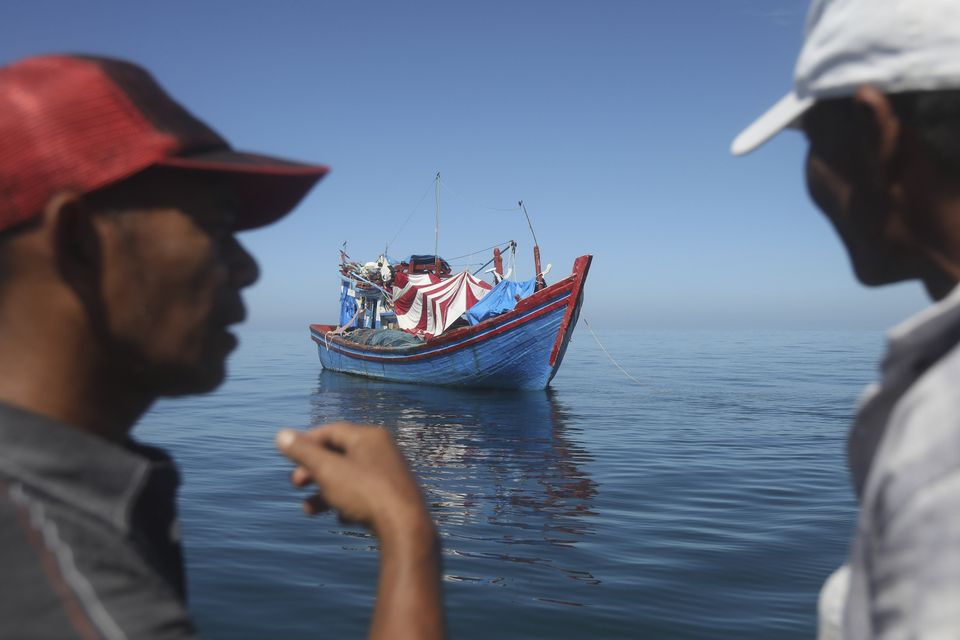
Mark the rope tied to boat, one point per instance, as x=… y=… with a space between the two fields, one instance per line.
x=340 y=330
x=615 y=363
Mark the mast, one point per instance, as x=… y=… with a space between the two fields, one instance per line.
x=436 y=231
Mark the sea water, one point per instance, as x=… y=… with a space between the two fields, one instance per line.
x=706 y=499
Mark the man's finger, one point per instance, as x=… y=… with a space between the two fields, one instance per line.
x=300 y=477
x=341 y=436
x=314 y=505
x=308 y=454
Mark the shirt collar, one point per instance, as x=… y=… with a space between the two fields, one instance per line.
x=921 y=340
x=89 y=473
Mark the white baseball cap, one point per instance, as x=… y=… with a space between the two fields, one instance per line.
x=894 y=45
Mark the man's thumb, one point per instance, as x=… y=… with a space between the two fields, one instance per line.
x=293 y=445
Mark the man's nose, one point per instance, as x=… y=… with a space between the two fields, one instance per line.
x=243 y=268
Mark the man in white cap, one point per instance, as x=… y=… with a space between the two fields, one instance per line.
x=877 y=93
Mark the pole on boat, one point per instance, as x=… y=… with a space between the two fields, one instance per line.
x=541 y=283
x=498 y=261
x=436 y=230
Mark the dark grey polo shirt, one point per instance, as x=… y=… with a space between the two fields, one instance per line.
x=89 y=541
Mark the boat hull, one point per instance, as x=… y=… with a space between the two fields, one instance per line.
x=521 y=349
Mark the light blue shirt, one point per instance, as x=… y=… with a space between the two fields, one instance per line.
x=904 y=453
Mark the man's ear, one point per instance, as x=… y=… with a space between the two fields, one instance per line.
x=70 y=230
x=879 y=131
x=74 y=241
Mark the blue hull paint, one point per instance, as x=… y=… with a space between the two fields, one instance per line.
x=521 y=349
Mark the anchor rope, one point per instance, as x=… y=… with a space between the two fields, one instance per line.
x=604 y=349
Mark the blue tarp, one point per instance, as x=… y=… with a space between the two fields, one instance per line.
x=502 y=298
x=348 y=307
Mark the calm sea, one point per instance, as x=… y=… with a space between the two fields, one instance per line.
x=710 y=501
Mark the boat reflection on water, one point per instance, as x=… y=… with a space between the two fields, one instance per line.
x=503 y=478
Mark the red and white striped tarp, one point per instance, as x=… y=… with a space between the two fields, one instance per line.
x=426 y=306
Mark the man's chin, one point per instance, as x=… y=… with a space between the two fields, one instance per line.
x=184 y=380
x=881 y=279
x=208 y=375
x=202 y=372
x=871 y=278
x=877 y=272
x=191 y=383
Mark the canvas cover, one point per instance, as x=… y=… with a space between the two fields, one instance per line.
x=502 y=298
x=426 y=305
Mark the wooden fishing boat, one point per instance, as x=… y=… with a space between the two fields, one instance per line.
x=519 y=349
x=415 y=321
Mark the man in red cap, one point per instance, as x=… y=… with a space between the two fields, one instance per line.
x=120 y=276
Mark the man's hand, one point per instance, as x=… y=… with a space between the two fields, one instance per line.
x=360 y=473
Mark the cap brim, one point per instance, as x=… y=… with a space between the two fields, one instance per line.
x=267 y=188
x=783 y=114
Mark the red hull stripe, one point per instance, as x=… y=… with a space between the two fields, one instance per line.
x=337 y=346
x=580 y=268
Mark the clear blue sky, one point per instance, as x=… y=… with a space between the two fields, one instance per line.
x=611 y=120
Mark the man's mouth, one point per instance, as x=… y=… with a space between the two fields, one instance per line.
x=234 y=313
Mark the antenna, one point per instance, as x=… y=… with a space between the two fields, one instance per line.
x=436 y=231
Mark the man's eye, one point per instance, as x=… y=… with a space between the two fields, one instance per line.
x=221 y=231
x=230 y=217
x=224 y=222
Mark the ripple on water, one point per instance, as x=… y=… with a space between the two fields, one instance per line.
x=708 y=502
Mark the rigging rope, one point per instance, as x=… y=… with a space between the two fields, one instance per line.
x=474 y=203
x=410 y=215
x=602 y=348
x=437 y=182
x=496 y=246
x=482 y=267
x=529 y=224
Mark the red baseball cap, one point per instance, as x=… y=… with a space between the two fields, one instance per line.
x=83 y=123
